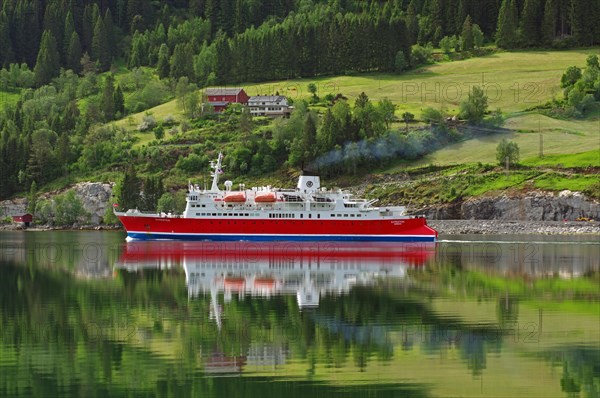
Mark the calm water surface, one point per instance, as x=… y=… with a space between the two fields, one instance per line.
x=86 y=314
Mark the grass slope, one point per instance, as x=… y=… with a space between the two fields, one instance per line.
x=514 y=81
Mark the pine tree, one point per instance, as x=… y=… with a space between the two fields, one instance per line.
x=461 y=14
x=119 y=101
x=549 y=22
x=109 y=27
x=506 y=34
x=163 y=66
x=412 y=23
x=130 y=188
x=74 y=55
x=467 y=34
x=239 y=19
x=181 y=62
x=67 y=33
x=48 y=62
x=583 y=24
x=6 y=55
x=530 y=23
x=100 y=45
x=135 y=8
x=54 y=22
x=107 y=101
x=309 y=138
x=90 y=17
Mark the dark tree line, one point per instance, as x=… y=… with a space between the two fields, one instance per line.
x=267 y=39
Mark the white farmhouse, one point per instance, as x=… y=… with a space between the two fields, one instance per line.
x=269 y=105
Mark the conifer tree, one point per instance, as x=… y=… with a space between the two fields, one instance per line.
x=107 y=101
x=74 y=55
x=109 y=28
x=130 y=188
x=100 y=45
x=506 y=34
x=7 y=54
x=54 y=22
x=163 y=66
x=47 y=65
x=67 y=33
x=412 y=23
x=461 y=14
x=119 y=101
x=467 y=34
x=181 y=61
x=87 y=28
x=530 y=22
x=549 y=22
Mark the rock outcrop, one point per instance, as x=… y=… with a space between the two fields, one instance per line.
x=530 y=206
x=95 y=197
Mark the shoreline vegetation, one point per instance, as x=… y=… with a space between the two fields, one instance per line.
x=444 y=227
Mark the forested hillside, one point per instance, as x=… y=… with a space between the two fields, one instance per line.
x=241 y=40
x=69 y=66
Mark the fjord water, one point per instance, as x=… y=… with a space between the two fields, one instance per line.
x=86 y=314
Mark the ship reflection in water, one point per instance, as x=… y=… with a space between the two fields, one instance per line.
x=277 y=268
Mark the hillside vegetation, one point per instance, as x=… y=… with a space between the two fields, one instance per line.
x=383 y=97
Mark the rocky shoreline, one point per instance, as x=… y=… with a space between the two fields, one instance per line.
x=486 y=227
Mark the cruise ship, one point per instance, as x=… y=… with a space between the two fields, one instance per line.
x=307 y=213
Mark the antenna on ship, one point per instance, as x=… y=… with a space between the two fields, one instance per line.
x=217 y=169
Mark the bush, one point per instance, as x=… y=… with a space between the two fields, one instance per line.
x=431 y=115
x=421 y=55
x=148 y=123
x=192 y=163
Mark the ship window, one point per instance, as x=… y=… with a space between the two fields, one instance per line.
x=351 y=215
x=310 y=216
x=345 y=215
x=197 y=214
x=318 y=216
x=302 y=215
x=203 y=205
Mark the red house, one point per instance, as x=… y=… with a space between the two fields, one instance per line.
x=25 y=219
x=220 y=97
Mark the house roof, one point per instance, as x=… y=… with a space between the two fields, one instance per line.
x=223 y=91
x=267 y=98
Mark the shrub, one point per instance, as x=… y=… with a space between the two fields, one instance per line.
x=421 y=55
x=148 y=123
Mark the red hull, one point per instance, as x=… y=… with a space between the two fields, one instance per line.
x=142 y=227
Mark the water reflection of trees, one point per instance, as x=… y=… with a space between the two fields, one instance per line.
x=580 y=370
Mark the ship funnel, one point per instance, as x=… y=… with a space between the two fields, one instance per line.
x=308 y=183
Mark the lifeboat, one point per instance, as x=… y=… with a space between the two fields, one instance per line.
x=265 y=197
x=238 y=197
x=264 y=283
x=233 y=283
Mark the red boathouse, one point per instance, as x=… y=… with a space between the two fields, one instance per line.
x=25 y=219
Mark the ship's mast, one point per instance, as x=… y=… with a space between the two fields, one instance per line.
x=215 y=173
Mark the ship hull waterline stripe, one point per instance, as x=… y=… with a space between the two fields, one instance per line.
x=141 y=235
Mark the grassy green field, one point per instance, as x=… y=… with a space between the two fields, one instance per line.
x=558 y=137
x=583 y=159
x=513 y=81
